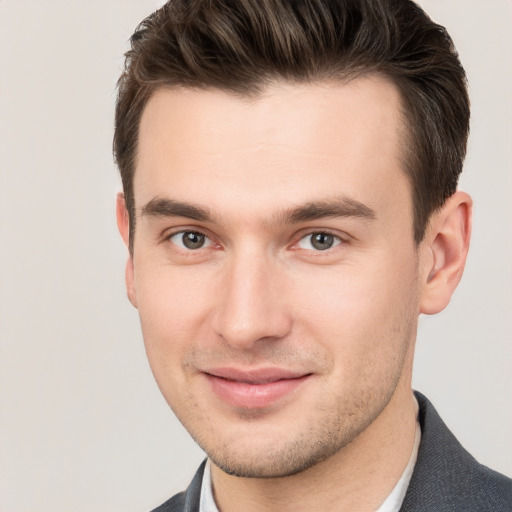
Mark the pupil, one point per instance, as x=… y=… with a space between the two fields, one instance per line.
x=322 y=241
x=193 y=240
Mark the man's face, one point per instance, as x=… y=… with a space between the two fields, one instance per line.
x=274 y=267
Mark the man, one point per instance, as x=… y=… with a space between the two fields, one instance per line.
x=290 y=207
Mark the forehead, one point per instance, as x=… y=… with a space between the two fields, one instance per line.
x=291 y=143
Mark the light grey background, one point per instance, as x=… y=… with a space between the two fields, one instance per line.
x=83 y=427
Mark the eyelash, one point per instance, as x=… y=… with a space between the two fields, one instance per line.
x=182 y=232
x=337 y=240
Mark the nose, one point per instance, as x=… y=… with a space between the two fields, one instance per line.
x=251 y=308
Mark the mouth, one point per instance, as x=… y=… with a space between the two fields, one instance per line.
x=254 y=389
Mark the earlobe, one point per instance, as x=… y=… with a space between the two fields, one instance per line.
x=130 y=281
x=447 y=244
x=123 y=224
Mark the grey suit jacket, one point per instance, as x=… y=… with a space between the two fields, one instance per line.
x=446 y=477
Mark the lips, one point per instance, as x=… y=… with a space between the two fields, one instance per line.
x=254 y=389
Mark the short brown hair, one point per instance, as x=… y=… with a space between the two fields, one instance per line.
x=241 y=46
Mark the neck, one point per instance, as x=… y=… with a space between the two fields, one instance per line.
x=358 y=477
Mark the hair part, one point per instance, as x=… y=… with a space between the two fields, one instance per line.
x=243 y=46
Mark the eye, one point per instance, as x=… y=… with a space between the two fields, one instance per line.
x=319 y=241
x=190 y=240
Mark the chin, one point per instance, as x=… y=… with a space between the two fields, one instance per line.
x=273 y=466
x=278 y=457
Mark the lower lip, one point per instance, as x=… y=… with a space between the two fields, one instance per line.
x=253 y=396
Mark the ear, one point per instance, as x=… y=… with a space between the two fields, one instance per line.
x=446 y=245
x=123 y=224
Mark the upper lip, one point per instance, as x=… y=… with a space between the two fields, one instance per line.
x=255 y=376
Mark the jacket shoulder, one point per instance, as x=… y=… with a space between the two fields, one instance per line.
x=501 y=485
x=187 y=501
x=174 y=504
x=447 y=478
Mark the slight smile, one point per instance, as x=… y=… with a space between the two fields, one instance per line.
x=254 y=389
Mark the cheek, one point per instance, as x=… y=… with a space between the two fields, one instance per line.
x=173 y=307
x=359 y=309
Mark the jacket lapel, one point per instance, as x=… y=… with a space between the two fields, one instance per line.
x=446 y=477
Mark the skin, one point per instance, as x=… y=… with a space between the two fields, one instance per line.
x=258 y=294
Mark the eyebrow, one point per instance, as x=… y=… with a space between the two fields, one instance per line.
x=336 y=207
x=162 y=207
